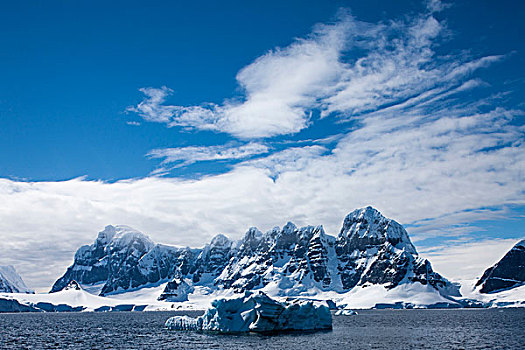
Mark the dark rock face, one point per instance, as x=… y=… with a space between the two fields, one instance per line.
x=370 y=249
x=366 y=236
x=508 y=273
x=366 y=228
x=212 y=259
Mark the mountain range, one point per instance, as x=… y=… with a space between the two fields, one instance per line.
x=371 y=263
x=370 y=250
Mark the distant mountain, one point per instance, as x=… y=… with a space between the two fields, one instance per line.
x=370 y=250
x=11 y=282
x=507 y=273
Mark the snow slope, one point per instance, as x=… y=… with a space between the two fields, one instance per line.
x=514 y=297
x=80 y=300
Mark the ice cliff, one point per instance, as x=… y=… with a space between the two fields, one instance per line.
x=256 y=312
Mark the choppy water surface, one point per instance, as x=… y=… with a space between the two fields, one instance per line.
x=371 y=329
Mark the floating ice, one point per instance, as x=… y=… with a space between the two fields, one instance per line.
x=257 y=313
x=344 y=312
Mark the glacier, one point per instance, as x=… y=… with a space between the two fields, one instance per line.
x=256 y=312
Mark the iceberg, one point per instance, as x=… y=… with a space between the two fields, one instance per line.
x=256 y=312
x=345 y=312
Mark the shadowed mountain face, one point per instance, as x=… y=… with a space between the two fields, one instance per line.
x=370 y=249
x=508 y=273
x=11 y=282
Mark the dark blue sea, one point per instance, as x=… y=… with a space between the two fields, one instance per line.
x=371 y=329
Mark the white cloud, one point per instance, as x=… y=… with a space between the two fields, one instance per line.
x=182 y=156
x=291 y=159
x=278 y=88
x=437 y=5
x=344 y=69
x=151 y=109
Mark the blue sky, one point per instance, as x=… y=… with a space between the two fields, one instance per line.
x=189 y=119
x=70 y=69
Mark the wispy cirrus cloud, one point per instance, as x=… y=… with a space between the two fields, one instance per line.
x=182 y=156
x=291 y=159
x=346 y=68
x=279 y=88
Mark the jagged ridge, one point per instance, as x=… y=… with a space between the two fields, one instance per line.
x=370 y=249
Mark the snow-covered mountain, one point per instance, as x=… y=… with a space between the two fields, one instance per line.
x=507 y=273
x=122 y=259
x=11 y=282
x=370 y=250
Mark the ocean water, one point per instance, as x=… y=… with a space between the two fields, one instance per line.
x=371 y=329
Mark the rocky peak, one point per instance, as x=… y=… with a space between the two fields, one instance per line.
x=286 y=237
x=507 y=273
x=127 y=237
x=105 y=236
x=220 y=241
x=113 y=258
x=307 y=233
x=289 y=228
x=367 y=227
x=213 y=258
x=219 y=247
x=251 y=241
x=373 y=249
